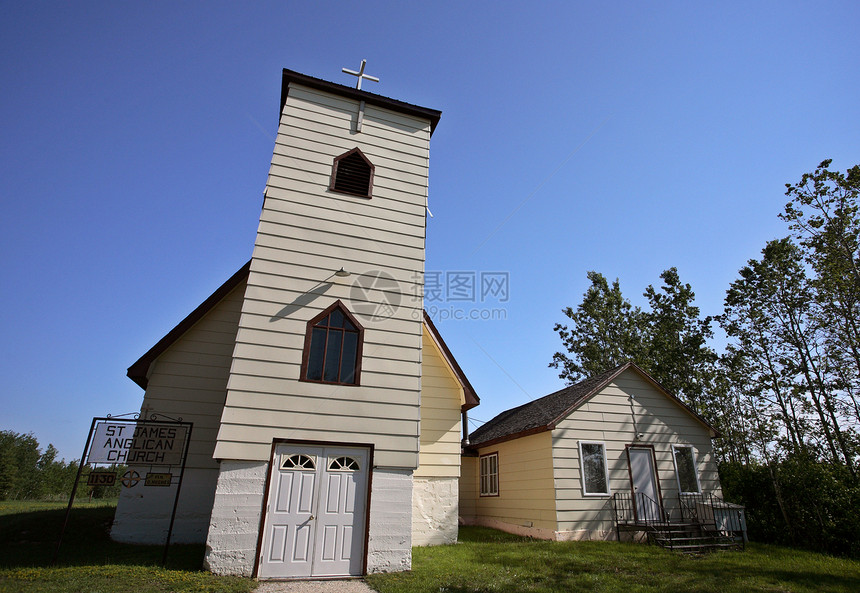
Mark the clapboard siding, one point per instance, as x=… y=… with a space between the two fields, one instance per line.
x=526 y=493
x=607 y=417
x=327 y=108
x=330 y=405
x=333 y=258
x=306 y=233
x=468 y=486
x=311 y=239
x=189 y=379
x=441 y=401
x=339 y=223
x=390 y=194
x=320 y=138
x=375 y=212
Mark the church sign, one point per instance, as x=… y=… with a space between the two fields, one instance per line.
x=138 y=443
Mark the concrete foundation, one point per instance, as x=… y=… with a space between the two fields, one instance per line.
x=390 y=539
x=231 y=546
x=143 y=512
x=434 y=511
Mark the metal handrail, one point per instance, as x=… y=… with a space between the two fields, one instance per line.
x=713 y=513
x=637 y=509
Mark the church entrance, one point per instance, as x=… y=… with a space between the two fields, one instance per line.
x=315 y=515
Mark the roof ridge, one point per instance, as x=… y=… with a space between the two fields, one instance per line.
x=545 y=410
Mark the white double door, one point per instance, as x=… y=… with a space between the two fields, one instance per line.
x=315 y=514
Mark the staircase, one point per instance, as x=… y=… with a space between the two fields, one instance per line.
x=701 y=522
x=690 y=538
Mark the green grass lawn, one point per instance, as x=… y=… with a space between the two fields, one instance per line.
x=89 y=561
x=486 y=560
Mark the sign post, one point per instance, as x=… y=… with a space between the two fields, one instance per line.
x=136 y=442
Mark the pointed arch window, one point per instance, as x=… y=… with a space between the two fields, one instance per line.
x=333 y=344
x=352 y=173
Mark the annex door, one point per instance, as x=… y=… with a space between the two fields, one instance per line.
x=646 y=496
x=315 y=514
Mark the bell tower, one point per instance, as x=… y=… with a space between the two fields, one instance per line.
x=328 y=348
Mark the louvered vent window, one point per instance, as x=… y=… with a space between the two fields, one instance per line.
x=352 y=174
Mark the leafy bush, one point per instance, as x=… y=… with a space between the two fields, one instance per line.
x=798 y=502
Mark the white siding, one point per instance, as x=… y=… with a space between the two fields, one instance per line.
x=607 y=418
x=188 y=381
x=525 y=503
x=306 y=233
x=441 y=401
x=435 y=493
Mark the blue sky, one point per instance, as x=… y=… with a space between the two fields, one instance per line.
x=621 y=137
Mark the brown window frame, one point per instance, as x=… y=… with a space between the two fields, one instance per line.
x=309 y=337
x=490 y=476
x=334 y=167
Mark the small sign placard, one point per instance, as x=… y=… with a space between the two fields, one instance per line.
x=101 y=478
x=158 y=479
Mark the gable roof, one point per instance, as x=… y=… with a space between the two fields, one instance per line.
x=472 y=398
x=545 y=413
x=138 y=371
x=433 y=115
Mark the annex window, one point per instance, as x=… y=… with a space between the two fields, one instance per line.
x=490 y=474
x=685 y=469
x=592 y=459
x=333 y=347
x=352 y=174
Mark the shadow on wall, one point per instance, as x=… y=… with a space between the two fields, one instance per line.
x=301 y=301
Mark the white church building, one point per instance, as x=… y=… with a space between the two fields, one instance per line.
x=327 y=410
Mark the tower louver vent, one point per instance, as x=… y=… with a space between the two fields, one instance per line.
x=352 y=174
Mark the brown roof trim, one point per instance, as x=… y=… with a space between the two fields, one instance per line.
x=509 y=437
x=611 y=376
x=290 y=76
x=138 y=371
x=472 y=398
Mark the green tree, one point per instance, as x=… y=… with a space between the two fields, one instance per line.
x=28 y=473
x=824 y=214
x=669 y=340
x=605 y=330
x=19 y=464
x=678 y=355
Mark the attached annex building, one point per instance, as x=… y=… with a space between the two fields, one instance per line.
x=552 y=467
x=327 y=410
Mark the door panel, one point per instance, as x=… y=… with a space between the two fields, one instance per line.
x=341 y=523
x=646 y=496
x=315 y=518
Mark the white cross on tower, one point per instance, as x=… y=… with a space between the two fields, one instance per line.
x=360 y=74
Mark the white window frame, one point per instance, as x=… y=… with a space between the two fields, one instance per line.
x=488 y=479
x=695 y=468
x=585 y=491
